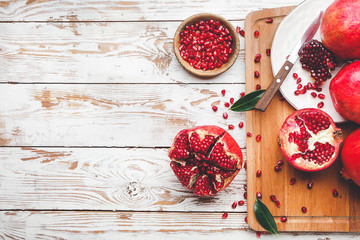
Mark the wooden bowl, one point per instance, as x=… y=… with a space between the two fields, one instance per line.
x=204 y=17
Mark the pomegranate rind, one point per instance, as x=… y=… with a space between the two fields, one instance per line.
x=350 y=156
x=200 y=166
x=332 y=135
x=345 y=92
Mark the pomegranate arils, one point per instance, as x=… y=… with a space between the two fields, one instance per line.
x=241 y=202
x=225 y=215
x=234 y=205
x=245 y=195
x=283 y=219
x=277 y=168
x=256 y=74
x=320 y=104
x=249 y=134
x=277 y=202
x=258 y=138
x=238 y=29
x=245 y=186
x=257 y=58
x=258 y=87
x=259 y=195
x=318 y=60
x=273 y=198
x=225 y=115
x=258 y=173
x=232 y=100
x=242 y=94
x=313 y=94
x=335 y=193
x=269 y=20
x=268 y=51
x=214 y=108
x=298 y=81
x=256 y=33
x=295 y=76
x=292 y=181
x=227 y=104
x=304 y=209
x=242 y=33
x=258 y=234
x=231 y=127
x=299 y=86
x=241 y=125
x=321 y=96
x=310 y=185
x=280 y=162
x=223 y=92
x=245 y=219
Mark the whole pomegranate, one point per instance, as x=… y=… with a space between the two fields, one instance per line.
x=309 y=139
x=340 y=28
x=350 y=155
x=205 y=159
x=345 y=92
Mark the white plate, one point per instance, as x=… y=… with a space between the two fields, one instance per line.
x=288 y=33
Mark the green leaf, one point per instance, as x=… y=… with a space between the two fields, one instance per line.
x=247 y=102
x=264 y=217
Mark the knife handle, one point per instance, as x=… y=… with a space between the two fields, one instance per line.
x=264 y=101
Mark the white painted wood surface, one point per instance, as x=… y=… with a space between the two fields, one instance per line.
x=86 y=157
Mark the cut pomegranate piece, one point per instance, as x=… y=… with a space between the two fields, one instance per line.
x=318 y=60
x=309 y=139
x=205 y=159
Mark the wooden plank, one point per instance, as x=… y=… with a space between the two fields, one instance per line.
x=111 y=52
x=136 y=225
x=131 y=179
x=111 y=115
x=325 y=212
x=135 y=10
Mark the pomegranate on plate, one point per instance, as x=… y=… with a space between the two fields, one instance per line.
x=309 y=139
x=340 y=28
x=205 y=159
x=350 y=155
x=345 y=92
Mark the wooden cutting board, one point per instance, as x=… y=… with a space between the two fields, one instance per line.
x=325 y=212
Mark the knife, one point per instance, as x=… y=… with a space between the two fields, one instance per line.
x=274 y=86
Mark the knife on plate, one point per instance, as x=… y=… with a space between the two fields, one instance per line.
x=274 y=86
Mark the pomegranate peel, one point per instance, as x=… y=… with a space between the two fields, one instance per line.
x=309 y=139
x=205 y=159
x=350 y=155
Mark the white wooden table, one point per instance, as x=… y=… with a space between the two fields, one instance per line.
x=91 y=97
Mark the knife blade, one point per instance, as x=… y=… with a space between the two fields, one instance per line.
x=274 y=86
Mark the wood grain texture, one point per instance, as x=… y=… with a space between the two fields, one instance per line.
x=325 y=212
x=135 y=10
x=100 y=52
x=119 y=115
x=132 y=179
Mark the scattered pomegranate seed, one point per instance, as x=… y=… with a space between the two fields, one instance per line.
x=256 y=34
x=241 y=202
x=256 y=74
x=268 y=51
x=299 y=86
x=234 y=205
x=242 y=94
x=281 y=98
x=318 y=89
x=277 y=168
x=335 y=193
x=277 y=202
x=245 y=165
x=280 y=162
x=232 y=100
x=214 y=108
x=245 y=219
x=258 y=87
x=320 y=104
x=283 y=219
x=225 y=115
x=313 y=94
x=292 y=181
x=295 y=76
x=298 y=81
x=242 y=33
x=303 y=209
x=238 y=29
x=231 y=127
x=223 y=92
x=258 y=138
x=258 y=234
x=249 y=134
x=225 y=215
x=321 y=96
x=273 y=198
x=227 y=104
x=297 y=92
x=258 y=173
x=287 y=57
x=257 y=58
x=245 y=187
x=245 y=195
x=241 y=125
x=310 y=185
x=259 y=195
x=303 y=91
x=269 y=20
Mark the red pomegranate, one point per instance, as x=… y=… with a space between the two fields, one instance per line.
x=205 y=159
x=310 y=140
x=345 y=92
x=340 y=29
x=350 y=155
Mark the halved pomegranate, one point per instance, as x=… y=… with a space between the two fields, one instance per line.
x=310 y=140
x=205 y=159
x=350 y=156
